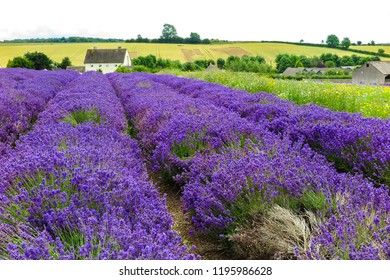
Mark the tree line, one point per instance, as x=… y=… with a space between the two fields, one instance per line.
x=326 y=60
x=37 y=61
x=168 y=35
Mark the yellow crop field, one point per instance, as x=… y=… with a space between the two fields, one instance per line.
x=182 y=52
x=373 y=48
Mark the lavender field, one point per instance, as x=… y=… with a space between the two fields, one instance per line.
x=83 y=159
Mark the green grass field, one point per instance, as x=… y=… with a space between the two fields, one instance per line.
x=76 y=51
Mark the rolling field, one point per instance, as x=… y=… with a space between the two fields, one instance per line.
x=373 y=48
x=76 y=51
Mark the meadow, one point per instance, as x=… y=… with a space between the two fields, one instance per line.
x=184 y=53
x=375 y=48
x=370 y=101
x=84 y=158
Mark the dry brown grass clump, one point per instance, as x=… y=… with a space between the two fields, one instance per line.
x=275 y=235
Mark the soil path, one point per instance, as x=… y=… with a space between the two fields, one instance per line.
x=207 y=247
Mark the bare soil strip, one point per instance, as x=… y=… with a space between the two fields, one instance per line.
x=205 y=246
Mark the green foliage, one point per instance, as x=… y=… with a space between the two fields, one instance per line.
x=345 y=43
x=81 y=116
x=332 y=41
x=221 y=63
x=141 y=68
x=193 y=39
x=325 y=57
x=330 y=64
x=122 y=69
x=335 y=72
x=169 y=33
x=381 y=51
x=255 y=64
x=152 y=64
x=190 y=67
x=39 y=60
x=131 y=130
x=283 y=61
x=65 y=63
x=20 y=62
x=298 y=64
x=347 y=61
x=204 y=63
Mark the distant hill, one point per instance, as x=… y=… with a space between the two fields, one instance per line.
x=182 y=52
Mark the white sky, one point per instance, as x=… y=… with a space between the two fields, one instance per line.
x=243 y=20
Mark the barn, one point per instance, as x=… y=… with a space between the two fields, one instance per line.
x=106 y=60
x=374 y=73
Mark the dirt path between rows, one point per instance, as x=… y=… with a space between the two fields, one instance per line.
x=206 y=247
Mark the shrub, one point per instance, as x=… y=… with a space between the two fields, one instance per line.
x=140 y=68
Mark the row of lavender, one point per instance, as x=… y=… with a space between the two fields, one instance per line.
x=354 y=144
x=76 y=187
x=23 y=95
x=233 y=172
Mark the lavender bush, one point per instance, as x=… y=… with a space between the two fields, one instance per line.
x=354 y=144
x=80 y=191
x=23 y=95
x=228 y=187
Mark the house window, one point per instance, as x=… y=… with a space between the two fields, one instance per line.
x=367 y=65
x=116 y=65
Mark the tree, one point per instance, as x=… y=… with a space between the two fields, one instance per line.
x=347 y=61
x=330 y=64
x=359 y=43
x=65 y=63
x=330 y=57
x=220 y=63
x=381 y=51
x=39 y=60
x=194 y=38
x=169 y=33
x=332 y=41
x=283 y=61
x=345 y=43
x=20 y=62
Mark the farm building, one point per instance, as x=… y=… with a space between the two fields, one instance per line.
x=107 y=60
x=374 y=73
x=80 y=69
x=290 y=71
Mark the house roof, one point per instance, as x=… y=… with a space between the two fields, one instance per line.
x=382 y=66
x=105 y=55
x=212 y=67
x=292 y=71
x=80 y=69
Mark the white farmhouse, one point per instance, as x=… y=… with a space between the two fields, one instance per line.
x=107 y=60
